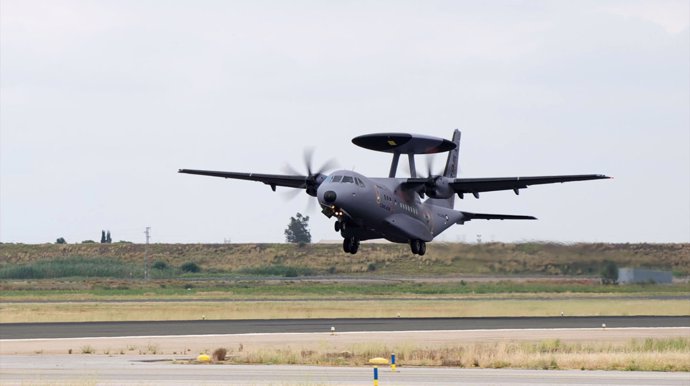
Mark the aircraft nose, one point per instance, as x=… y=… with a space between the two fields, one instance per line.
x=329 y=196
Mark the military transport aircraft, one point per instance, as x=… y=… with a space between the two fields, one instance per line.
x=391 y=208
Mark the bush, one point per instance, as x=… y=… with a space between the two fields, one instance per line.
x=190 y=267
x=60 y=240
x=219 y=355
x=160 y=265
x=371 y=267
x=609 y=274
x=88 y=242
x=68 y=267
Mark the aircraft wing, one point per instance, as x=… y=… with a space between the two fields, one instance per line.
x=269 y=179
x=477 y=185
x=467 y=216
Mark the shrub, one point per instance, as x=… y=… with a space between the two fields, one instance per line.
x=88 y=242
x=609 y=274
x=190 y=267
x=371 y=267
x=160 y=265
x=68 y=267
x=219 y=354
x=60 y=240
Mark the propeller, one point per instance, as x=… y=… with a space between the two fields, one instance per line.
x=314 y=176
x=436 y=185
x=432 y=179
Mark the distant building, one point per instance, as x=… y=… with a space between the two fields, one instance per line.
x=641 y=275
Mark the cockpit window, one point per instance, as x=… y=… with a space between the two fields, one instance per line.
x=348 y=179
x=359 y=182
x=337 y=178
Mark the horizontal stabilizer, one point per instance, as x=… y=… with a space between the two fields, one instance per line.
x=467 y=216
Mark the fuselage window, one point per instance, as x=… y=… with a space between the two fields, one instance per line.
x=337 y=178
x=348 y=179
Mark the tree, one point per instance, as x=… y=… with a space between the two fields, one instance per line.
x=297 y=230
x=102 y=237
x=609 y=274
x=108 y=239
x=60 y=240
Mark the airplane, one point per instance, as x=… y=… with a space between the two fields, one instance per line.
x=391 y=208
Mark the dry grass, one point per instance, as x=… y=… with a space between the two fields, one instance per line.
x=650 y=355
x=445 y=259
x=659 y=349
x=130 y=311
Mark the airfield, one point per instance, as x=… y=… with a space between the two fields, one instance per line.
x=128 y=356
x=510 y=326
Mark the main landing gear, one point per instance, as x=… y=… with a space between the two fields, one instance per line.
x=418 y=247
x=350 y=244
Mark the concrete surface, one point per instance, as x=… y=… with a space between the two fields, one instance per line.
x=126 y=370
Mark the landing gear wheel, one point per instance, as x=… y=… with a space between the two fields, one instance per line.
x=414 y=246
x=354 y=245
x=422 y=248
x=337 y=226
x=418 y=247
x=346 y=245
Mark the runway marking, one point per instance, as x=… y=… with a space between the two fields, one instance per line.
x=347 y=333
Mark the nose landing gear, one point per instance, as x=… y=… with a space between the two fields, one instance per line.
x=350 y=244
x=418 y=247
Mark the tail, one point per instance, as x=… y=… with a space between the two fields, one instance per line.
x=451 y=171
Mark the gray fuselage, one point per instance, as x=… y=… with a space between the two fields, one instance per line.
x=374 y=208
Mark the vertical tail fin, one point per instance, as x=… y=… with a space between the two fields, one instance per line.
x=451 y=171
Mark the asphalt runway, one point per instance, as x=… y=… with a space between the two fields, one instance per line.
x=218 y=327
x=121 y=370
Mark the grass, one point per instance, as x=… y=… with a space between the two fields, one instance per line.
x=128 y=311
x=442 y=259
x=634 y=355
x=288 y=289
x=277 y=270
x=69 y=267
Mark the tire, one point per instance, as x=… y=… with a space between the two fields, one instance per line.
x=346 y=245
x=337 y=226
x=354 y=246
x=422 y=248
x=414 y=246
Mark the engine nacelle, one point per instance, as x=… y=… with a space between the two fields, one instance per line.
x=438 y=187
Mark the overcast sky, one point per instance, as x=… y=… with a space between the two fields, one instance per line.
x=102 y=101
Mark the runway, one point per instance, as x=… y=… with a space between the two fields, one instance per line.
x=219 y=327
x=103 y=370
